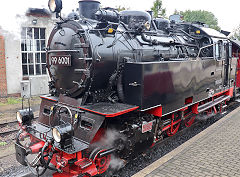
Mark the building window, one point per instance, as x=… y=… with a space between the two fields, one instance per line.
x=33 y=54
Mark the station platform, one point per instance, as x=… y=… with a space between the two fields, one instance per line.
x=213 y=152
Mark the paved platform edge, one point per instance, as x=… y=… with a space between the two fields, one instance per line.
x=179 y=149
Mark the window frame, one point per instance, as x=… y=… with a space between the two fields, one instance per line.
x=33 y=42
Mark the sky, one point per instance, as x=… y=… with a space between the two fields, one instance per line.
x=226 y=13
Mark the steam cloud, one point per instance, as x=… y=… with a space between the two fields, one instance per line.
x=109 y=139
x=116 y=163
x=108 y=142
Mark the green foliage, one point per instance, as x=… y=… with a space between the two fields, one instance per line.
x=121 y=8
x=14 y=100
x=3 y=143
x=11 y=100
x=157 y=9
x=201 y=16
x=236 y=33
x=176 y=12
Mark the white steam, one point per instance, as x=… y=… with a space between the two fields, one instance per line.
x=117 y=163
x=109 y=141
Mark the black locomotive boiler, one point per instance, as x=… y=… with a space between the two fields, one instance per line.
x=120 y=83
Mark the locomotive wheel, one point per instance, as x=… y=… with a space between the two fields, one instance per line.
x=189 y=121
x=174 y=130
x=102 y=163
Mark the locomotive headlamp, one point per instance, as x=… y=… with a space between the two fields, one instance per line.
x=25 y=116
x=63 y=134
x=55 y=5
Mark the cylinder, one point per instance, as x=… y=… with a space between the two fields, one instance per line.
x=107 y=15
x=88 y=8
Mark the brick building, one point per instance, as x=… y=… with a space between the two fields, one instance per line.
x=3 y=78
x=23 y=58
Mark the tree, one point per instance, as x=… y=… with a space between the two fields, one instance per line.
x=121 y=8
x=176 y=12
x=236 y=33
x=158 y=9
x=201 y=16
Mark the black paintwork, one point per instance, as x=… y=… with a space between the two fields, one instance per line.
x=169 y=83
x=20 y=154
x=108 y=109
x=87 y=8
x=153 y=75
x=81 y=130
x=161 y=67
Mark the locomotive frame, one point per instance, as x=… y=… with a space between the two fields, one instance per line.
x=127 y=84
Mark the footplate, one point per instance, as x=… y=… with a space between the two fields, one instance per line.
x=20 y=154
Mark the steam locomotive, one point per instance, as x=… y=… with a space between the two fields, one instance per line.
x=120 y=83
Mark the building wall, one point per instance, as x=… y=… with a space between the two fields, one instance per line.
x=38 y=84
x=3 y=78
x=13 y=63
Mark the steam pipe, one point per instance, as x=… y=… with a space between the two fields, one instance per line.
x=107 y=152
x=155 y=42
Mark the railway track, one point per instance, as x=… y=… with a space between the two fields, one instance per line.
x=7 y=128
x=5 y=133
x=10 y=127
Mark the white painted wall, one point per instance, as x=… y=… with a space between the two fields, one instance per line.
x=13 y=63
x=39 y=84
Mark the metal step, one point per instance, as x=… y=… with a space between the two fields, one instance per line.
x=213 y=103
x=84 y=163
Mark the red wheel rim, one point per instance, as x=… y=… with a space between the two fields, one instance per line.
x=102 y=163
x=189 y=121
x=175 y=129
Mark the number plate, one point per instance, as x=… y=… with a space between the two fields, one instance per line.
x=63 y=60
x=147 y=127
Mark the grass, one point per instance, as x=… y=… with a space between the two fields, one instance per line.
x=18 y=100
x=11 y=100
x=3 y=143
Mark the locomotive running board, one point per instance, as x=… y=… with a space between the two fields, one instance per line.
x=109 y=109
x=41 y=131
x=213 y=103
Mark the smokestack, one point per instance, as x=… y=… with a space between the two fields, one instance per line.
x=88 y=8
x=150 y=13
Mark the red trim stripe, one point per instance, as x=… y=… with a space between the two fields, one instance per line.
x=111 y=115
x=220 y=93
x=48 y=98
